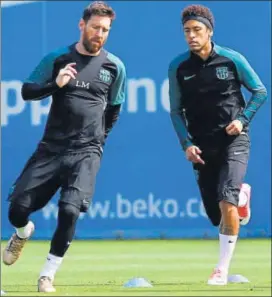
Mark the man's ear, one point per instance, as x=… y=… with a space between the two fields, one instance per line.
x=81 y=25
x=211 y=33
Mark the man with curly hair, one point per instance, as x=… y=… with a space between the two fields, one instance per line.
x=211 y=119
x=87 y=84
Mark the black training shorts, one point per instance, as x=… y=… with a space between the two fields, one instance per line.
x=46 y=172
x=223 y=174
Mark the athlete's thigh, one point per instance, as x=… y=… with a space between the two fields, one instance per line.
x=38 y=181
x=233 y=169
x=207 y=178
x=79 y=179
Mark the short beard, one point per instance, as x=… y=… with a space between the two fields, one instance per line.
x=88 y=47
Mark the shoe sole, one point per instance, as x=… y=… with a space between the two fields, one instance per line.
x=216 y=284
x=45 y=291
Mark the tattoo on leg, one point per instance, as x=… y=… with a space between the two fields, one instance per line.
x=227 y=230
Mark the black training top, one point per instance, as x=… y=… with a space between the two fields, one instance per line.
x=78 y=113
x=205 y=96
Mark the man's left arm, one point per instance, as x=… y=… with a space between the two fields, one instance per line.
x=116 y=98
x=252 y=82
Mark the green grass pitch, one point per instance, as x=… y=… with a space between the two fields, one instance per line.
x=174 y=267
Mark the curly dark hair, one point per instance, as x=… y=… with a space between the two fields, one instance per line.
x=198 y=10
x=99 y=8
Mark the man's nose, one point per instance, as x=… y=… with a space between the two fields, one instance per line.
x=191 y=34
x=99 y=32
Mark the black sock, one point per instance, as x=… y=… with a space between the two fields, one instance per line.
x=63 y=236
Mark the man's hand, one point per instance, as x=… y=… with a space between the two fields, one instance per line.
x=234 y=128
x=193 y=154
x=65 y=74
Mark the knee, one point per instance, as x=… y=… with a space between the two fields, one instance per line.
x=68 y=213
x=229 y=211
x=18 y=215
x=226 y=206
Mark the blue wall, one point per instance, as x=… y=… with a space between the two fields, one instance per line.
x=145 y=187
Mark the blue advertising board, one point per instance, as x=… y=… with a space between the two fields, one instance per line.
x=145 y=187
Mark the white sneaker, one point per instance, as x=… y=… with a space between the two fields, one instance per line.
x=45 y=285
x=244 y=211
x=14 y=247
x=218 y=278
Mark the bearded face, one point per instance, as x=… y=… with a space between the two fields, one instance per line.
x=95 y=33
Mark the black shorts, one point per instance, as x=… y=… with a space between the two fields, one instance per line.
x=46 y=172
x=223 y=174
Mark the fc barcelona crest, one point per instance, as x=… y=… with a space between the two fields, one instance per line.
x=222 y=72
x=105 y=75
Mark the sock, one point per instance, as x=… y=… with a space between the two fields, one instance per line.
x=51 y=266
x=24 y=232
x=227 y=245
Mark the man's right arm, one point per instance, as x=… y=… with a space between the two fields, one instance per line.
x=176 y=112
x=40 y=83
x=116 y=97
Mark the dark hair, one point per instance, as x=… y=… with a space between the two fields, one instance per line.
x=99 y=8
x=198 y=10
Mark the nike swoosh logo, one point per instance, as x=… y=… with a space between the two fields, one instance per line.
x=189 y=77
x=238 y=153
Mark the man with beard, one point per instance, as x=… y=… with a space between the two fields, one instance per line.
x=87 y=85
x=211 y=119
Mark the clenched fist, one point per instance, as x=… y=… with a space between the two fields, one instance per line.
x=234 y=128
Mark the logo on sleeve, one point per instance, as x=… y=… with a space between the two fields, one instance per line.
x=189 y=77
x=105 y=75
x=222 y=72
